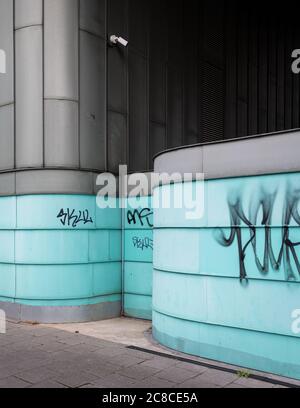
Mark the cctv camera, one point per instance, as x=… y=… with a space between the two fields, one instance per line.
x=118 y=40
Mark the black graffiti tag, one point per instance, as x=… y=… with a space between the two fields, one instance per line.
x=287 y=252
x=142 y=243
x=71 y=218
x=133 y=217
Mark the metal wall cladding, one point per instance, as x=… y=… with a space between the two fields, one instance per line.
x=61 y=49
x=189 y=74
x=28 y=13
x=6 y=44
x=138 y=125
x=93 y=16
x=7 y=86
x=92 y=101
x=7 y=142
x=29 y=97
x=61 y=133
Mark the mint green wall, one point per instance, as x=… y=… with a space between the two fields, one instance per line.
x=138 y=255
x=46 y=260
x=216 y=300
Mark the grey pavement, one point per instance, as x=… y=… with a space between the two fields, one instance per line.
x=34 y=356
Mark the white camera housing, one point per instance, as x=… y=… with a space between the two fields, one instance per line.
x=115 y=40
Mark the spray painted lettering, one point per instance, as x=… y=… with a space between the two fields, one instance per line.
x=71 y=218
x=287 y=255
x=139 y=216
x=142 y=243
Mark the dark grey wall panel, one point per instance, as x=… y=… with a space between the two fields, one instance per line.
x=117 y=79
x=117 y=21
x=7 y=137
x=138 y=17
x=61 y=133
x=61 y=49
x=29 y=97
x=93 y=16
x=174 y=107
x=157 y=140
x=7 y=45
x=92 y=102
x=116 y=137
x=138 y=113
x=28 y=13
x=157 y=91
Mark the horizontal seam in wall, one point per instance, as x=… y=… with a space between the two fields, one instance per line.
x=100 y=36
x=69 y=299
x=158 y=122
x=61 y=99
x=119 y=112
x=53 y=168
x=62 y=264
x=222 y=325
x=224 y=277
x=6 y=104
x=225 y=227
x=137 y=294
x=28 y=26
x=59 y=230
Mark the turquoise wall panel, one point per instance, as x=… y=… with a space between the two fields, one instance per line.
x=107 y=278
x=138 y=278
x=227 y=286
x=138 y=246
x=207 y=257
x=54 y=281
x=56 y=212
x=224 y=301
x=68 y=302
x=7 y=247
x=138 y=256
x=182 y=199
x=60 y=250
x=67 y=281
x=8 y=218
x=98 y=246
x=8 y=280
x=138 y=306
x=52 y=247
x=246 y=348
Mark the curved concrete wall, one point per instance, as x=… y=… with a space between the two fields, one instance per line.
x=60 y=258
x=226 y=286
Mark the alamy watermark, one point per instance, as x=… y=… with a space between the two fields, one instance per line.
x=295 y=315
x=177 y=191
x=296 y=62
x=2 y=62
x=2 y=322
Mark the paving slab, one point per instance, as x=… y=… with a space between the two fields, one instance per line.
x=89 y=356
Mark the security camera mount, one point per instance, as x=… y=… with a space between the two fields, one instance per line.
x=115 y=40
